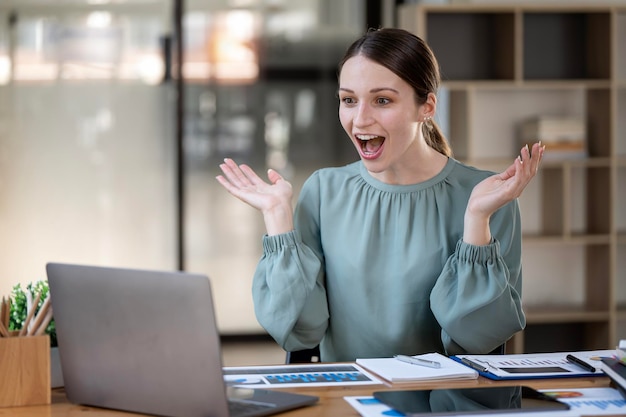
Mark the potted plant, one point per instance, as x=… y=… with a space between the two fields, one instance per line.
x=18 y=315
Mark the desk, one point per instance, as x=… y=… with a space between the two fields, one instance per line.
x=331 y=403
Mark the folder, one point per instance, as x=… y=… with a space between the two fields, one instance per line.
x=536 y=365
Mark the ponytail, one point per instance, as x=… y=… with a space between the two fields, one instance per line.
x=435 y=139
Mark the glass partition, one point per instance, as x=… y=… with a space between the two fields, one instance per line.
x=86 y=166
x=283 y=116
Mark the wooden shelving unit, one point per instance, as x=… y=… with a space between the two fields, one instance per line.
x=503 y=64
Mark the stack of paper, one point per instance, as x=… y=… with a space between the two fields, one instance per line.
x=394 y=370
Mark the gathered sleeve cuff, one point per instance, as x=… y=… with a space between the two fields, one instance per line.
x=476 y=301
x=478 y=254
x=275 y=243
x=288 y=292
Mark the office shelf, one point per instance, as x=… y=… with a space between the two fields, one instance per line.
x=504 y=64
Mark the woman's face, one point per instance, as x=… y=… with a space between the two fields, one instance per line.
x=379 y=113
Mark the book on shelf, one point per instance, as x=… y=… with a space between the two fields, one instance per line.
x=563 y=137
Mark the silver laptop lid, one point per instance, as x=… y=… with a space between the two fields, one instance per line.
x=137 y=340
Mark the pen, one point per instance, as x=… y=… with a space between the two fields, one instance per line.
x=31 y=311
x=474 y=365
x=580 y=362
x=418 y=361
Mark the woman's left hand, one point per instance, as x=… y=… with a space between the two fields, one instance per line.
x=499 y=189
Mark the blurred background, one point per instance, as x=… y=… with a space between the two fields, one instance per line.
x=107 y=157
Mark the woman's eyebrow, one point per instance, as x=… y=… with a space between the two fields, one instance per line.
x=378 y=90
x=373 y=90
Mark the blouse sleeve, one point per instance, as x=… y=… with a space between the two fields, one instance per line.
x=288 y=286
x=477 y=297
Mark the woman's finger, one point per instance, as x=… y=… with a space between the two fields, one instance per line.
x=251 y=175
x=233 y=173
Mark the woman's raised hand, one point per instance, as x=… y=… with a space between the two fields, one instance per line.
x=273 y=199
x=499 y=189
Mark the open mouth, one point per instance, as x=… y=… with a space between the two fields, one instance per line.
x=370 y=144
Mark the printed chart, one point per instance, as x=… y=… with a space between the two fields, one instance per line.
x=297 y=376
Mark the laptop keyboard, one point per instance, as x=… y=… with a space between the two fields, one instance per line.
x=244 y=408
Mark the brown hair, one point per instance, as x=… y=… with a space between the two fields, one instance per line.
x=411 y=59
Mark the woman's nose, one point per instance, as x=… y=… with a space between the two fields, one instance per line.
x=363 y=116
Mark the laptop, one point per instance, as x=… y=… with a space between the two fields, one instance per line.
x=147 y=342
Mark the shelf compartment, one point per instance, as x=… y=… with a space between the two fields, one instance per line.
x=550 y=329
x=620 y=132
x=582 y=290
x=598 y=122
x=484 y=46
x=598 y=213
x=497 y=136
x=569 y=201
x=621 y=46
x=458 y=124
x=551 y=45
x=566 y=336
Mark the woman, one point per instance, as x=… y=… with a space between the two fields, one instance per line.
x=403 y=252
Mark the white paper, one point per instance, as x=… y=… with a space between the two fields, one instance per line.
x=395 y=370
x=299 y=375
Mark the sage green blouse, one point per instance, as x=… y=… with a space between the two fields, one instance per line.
x=373 y=270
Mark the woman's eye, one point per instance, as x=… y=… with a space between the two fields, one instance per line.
x=347 y=100
x=382 y=100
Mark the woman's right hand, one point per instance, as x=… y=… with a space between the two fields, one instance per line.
x=272 y=199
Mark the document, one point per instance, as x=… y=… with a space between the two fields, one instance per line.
x=537 y=365
x=398 y=370
x=298 y=375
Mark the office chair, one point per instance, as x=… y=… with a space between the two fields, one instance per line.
x=313 y=355
x=500 y=350
x=304 y=356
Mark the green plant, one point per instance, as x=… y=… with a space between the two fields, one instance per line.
x=19 y=310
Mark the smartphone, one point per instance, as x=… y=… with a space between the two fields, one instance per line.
x=467 y=401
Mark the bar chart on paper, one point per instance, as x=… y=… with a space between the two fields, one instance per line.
x=297 y=376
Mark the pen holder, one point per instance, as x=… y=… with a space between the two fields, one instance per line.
x=24 y=371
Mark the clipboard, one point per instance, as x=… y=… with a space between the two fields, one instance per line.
x=535 y=365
